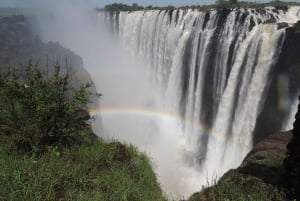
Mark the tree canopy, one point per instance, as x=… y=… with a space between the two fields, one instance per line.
x=122 y=7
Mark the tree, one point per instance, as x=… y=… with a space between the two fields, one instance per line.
x=149 y=7
x=233 y=1
x=135 y=5
x=116 y=7
x=40 y=112
x=226 y=2
x=221 y=2
x=292 y=161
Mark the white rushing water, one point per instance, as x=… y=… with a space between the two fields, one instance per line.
x=291 y=118
x=206 y=75
x=186 y=87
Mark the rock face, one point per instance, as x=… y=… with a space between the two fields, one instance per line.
x=274 y=146
x=18 y=45
x=260 y=177
x=292 y=162
x=265 y=160
x=287 y=70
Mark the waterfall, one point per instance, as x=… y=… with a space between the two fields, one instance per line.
x=235 y=121
x=212 y=71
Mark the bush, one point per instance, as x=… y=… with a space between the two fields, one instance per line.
x=40 y=112
x=116 y=7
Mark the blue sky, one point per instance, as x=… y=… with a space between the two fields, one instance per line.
x=101 y=3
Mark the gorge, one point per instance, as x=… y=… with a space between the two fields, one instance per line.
x=225 y=79
x=194 y=90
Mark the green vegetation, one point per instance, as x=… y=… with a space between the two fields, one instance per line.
x=45 y=153
x=99 y=171
x=247 y=4
x=258 y=180
x=116 y=7
x=122 y=7
x=40 y=112
x=226 y=2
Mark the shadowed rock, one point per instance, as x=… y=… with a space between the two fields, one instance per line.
x=274 y=145
x=292 y=162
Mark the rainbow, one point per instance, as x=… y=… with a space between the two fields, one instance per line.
x=150 y=113
x=141 y=112
x=160 y=115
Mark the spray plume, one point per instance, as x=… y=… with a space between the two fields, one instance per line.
x=131 y=109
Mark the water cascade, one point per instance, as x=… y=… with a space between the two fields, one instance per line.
x=210 y=74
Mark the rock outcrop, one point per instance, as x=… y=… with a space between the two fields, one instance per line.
x=274 y=146
x=292 y=162
x=18 y=46
x=260 y=176
x=284 y=79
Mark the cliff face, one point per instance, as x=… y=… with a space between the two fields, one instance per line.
x=18 y=45
x=292 y=161
x=260 y=177
x=284 y=82
x=270 y=171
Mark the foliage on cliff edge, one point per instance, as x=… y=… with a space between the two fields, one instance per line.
x=44 y=116
x=39 y=111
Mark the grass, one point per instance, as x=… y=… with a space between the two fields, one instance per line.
x=101 y=171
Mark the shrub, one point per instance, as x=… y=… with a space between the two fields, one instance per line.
x=116 y=7
x=40 y=112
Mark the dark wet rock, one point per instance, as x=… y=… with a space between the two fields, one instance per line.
x=261 y=169
x=282 y=25
x=284 y=8
x=292 y=162
x=272 y=146
x=271 y=20
x=287 y=67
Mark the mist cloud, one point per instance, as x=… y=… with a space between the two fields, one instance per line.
x=126 y=89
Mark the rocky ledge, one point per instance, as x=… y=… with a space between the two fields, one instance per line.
x=260 y=176
x=274 y=146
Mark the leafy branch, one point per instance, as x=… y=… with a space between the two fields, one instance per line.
x=38 y=112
